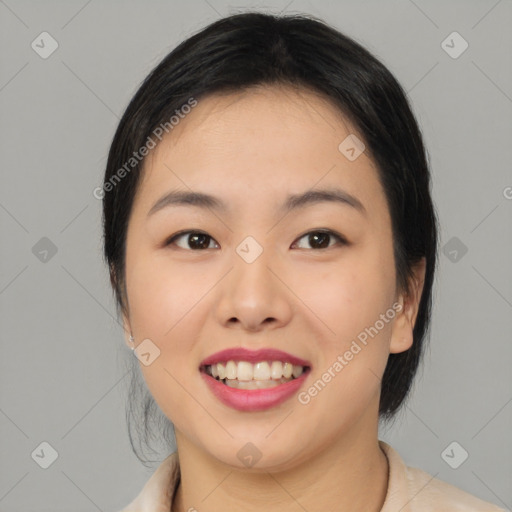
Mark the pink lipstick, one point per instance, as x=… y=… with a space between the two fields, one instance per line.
x=279 y=389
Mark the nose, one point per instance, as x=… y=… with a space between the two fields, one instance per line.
x=254 y=296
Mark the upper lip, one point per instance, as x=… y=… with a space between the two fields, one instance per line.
x=253 y=356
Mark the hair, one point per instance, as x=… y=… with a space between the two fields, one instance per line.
x=252 y=49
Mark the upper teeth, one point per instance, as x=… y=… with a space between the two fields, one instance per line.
x=264 y=370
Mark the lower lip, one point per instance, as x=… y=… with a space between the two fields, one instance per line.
x=254 y=399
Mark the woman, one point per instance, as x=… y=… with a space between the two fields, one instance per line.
x=272 y=244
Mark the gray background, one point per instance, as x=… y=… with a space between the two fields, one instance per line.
x=63 y=379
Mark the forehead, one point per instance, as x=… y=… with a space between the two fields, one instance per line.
x=273 y=117
x=266 y=140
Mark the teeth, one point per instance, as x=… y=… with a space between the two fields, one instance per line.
x=276 y=369
x=266 y=372
x=261 y=371
x=255 y=384
x=297 y=371
x=244 y=371
x=231 y=370
x=287 y=370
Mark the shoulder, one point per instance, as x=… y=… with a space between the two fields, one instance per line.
x=433 y=492
x=157 y=493
x=413 y=490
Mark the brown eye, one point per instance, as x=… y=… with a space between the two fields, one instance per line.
x=195 y=240
x=322 y=239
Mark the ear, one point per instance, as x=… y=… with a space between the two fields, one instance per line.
x=127 y=330
x=126 y=322
x=402 y=332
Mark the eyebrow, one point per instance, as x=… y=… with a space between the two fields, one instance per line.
x=292 y=202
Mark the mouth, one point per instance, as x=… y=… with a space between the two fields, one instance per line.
x=261 y=375
x=249 y=380
x=254 y=369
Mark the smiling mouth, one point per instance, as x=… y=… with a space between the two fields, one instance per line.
x=261 y=375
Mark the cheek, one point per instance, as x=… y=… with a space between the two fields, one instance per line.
x=166 y=308
x=162 y=296
x=349 y=299
x=350 y=295
x=352 y=358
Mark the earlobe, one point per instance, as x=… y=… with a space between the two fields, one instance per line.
x=127 y=331
x=403 y=327
x=401 y=336
x=126 y=322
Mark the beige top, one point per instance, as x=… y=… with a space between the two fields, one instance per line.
x=409 y=490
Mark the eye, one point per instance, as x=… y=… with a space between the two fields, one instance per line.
x=320 y=238
x=196 y=240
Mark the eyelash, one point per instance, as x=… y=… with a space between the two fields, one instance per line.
x=341 y=240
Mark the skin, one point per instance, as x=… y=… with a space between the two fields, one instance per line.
x=253 y=149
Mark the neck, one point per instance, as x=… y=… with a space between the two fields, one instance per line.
x=350 y=474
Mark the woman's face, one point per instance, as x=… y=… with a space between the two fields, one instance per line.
x=260 y=275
